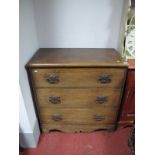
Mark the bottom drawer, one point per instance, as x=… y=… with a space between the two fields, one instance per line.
x=77 y=128
x=94 y=116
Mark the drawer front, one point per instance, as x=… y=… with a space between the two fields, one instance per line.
x=78 y=77
x=70 y=97
x=78 y=116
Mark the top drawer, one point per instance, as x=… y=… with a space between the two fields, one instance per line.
x=87 y=77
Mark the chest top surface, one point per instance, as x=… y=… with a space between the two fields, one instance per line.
x=76 y=57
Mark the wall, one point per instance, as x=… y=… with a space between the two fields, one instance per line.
x=78 y=23
x=29 y=131
x=61 y=23
x=28 y=137
x=23 y=119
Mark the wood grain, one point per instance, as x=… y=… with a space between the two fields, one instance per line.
x=87 y=77
x=79 y=116
x=76 y=57
x=77 y=73
x=76 y=128
x=79 y=97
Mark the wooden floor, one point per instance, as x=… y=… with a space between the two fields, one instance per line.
x=96 y=143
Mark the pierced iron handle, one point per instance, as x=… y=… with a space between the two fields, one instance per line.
x=104 y=78
x=57 y=117
x=55 y=99
x=101 y=99
x=52 y=79
x=99 y=117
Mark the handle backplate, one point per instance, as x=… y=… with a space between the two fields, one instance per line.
x=55 y=99
x=99 y=117
x=57 y=117
x=101 y=99
x=104 y=78
x=52 y=79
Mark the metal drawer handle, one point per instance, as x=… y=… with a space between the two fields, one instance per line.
x=104 y=78
x=101 y=99
x=55 y=99
x=99 y=117
x=52 y=79
x=57 y=117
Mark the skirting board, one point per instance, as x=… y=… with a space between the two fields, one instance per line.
x=30 y=140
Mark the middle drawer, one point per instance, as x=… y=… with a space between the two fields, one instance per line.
x=78 y=97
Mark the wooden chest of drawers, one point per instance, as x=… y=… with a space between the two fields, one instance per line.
x=77 y=90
